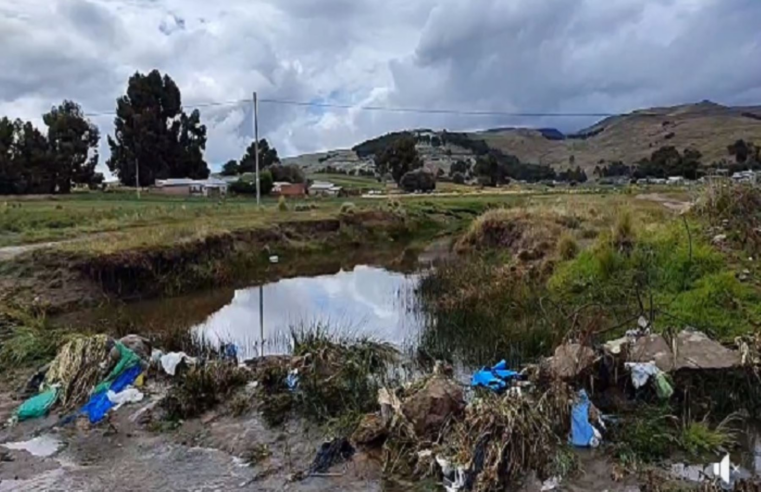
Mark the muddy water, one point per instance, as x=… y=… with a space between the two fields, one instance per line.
x=362 y=302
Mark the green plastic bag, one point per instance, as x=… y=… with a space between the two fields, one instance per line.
x=663 y=387
x=38 y=405
x=128 y=359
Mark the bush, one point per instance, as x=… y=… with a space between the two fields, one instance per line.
x=568 y=248
x=418 y=180
x=304 y=207
x=348 y=208
x=281 y=204
x=242 y=188
x=458 y=178
x=203 y=387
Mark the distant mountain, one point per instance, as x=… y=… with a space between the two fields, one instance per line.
x=705 y=126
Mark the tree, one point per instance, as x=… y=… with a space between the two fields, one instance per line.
x=267 y=157
x=290 y=173
x=488 y=169
x=398 y=158
x=9 y=174
x=73 y=145
x=460 y=166
x=31 y=160
x=739 y=150
x=153 y=133
x=458 y=178
x=231 y=168
x=418 y=180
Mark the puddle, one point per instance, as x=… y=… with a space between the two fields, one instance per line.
x=40 y=446
x=364 y=301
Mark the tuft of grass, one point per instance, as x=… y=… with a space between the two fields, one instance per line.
x=624 y=234
x=27 y=339
x=567 y=247
x=338 y=378
x=203 y=387
x=699 y=439
x=282 y=205
x=647 y=437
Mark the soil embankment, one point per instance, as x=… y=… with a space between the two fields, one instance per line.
x=62 y=279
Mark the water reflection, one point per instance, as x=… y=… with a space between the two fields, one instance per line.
x=364 y=301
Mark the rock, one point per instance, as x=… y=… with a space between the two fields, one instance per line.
x=370 y=430
x=694 y=350
x=570 y=360
x=652 y=348
x=430 y=408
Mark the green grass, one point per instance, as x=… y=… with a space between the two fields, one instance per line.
x=350 y=182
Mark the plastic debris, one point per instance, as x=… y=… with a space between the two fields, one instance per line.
x=551 y=483
x=330 y=453
x=129 y=395
x=583 y=434
x=495 y=378
x=40 y=446
x=99 y=404
x=39 y=405
x=641 y=372
x=170 y=361
x=292 y=379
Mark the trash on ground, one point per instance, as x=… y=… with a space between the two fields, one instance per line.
x=496 y=378
x=41 y=446
x=170 y=361
x=583 y=433
x=37 y=406
x=129 y=395
x=100 y=403
x=331 y=453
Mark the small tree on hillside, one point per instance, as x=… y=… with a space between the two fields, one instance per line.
x=418 y=180
x=398 y=158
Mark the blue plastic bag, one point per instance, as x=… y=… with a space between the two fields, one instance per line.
x=582 y=432
x=495 y=378
x=99 y=404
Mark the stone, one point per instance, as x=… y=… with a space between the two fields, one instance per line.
x=433 y=405
x=371 y=430
x=570 y=360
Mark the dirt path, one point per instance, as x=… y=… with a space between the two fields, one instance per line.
x=10 y=252
x=673 y=204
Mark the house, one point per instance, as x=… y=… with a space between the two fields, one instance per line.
x=675 y=180
x=284 y=188
x=324 y=188
x=745 y=177
x=191 y=187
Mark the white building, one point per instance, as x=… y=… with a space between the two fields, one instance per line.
x=191 y=187
x=324 y=188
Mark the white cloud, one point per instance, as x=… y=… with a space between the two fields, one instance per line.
x=521 y=55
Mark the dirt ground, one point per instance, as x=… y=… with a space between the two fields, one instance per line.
x=202 y=455
x=206 y=454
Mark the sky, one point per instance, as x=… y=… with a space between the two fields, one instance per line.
x=598 y=56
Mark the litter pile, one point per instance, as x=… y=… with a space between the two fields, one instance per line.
x=91 y=376
x=515 y=421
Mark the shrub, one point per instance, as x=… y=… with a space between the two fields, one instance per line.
x=418 y=180
x=458 y=178
x=568 y=248
x=623 y=230
x=281 y=204
x=304 y=207
x=348 y=208
x=203 y=387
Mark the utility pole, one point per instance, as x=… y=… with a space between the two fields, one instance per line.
x=256 y=148
x=261 y=320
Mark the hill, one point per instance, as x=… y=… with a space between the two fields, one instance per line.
x=706 y=126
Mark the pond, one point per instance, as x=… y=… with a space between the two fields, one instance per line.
x=365 y=301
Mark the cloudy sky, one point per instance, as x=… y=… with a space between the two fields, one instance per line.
x=472 y=55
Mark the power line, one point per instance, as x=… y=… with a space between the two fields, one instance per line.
x=388 y=109
x=431 y=111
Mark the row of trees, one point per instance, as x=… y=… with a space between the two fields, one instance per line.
x=35 y=162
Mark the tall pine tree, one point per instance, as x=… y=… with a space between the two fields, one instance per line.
x=154 y=134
